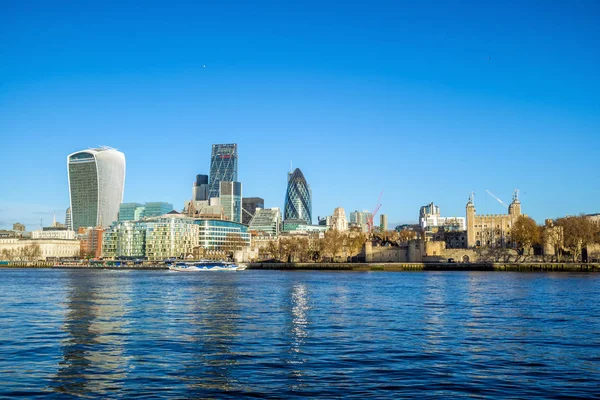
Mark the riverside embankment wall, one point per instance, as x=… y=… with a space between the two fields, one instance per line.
x=523 y=267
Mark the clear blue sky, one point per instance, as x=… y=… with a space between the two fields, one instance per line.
x=427 y=100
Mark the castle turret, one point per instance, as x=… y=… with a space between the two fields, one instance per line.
x=514 y=208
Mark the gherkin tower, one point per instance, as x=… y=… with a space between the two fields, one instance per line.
x=298 y=205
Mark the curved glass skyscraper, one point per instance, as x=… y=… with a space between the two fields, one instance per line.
x=96 y=184
x=298 y=203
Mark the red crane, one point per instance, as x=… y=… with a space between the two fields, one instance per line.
x=377 y=207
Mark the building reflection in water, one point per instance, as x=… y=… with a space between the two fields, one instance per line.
x=296 y=332
x=92 y=361
x=214 y=313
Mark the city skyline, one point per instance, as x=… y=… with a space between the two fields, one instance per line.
x=484 y=202
x=360 y=101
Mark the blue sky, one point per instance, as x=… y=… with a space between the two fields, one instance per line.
x=426 y=100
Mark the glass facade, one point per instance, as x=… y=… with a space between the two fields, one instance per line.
x=137 y=211
x=214 y=234
x=83 y=184
x=223 y=167
x=298 y=203
x=266 y=220
x=170 y=236
x=249 y=206
x=130 y=212
x=200 y=188
x=96 y=183
x=230 y=198
x=124 y=240
x=156 y=209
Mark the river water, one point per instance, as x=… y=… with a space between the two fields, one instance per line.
x=158 y=334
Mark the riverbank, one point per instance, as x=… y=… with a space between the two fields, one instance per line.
x=398 y=267
x=524 y=267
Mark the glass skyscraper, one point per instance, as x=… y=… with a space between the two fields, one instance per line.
x=230 y=198
x=298 y=205
x=96 y=185
x=223 y=167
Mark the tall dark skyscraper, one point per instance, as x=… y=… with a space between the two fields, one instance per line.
x=298 y=204
x=200 y=188
x=223 y=167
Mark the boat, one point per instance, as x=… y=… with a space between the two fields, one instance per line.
x=205 y=265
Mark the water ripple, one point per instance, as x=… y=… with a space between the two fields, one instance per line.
x=158 y=334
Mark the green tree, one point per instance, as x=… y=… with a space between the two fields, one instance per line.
x=525 y=233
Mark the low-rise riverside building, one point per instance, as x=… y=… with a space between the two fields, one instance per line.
x=49 y=248
x=125 y=240
x=216 y=234
x=53 y=233
x=172 y=235
x=91 y=241
x=296 y=226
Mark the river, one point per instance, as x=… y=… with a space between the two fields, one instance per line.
x=164 y=334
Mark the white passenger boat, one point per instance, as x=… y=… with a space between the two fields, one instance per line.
x=190 y=266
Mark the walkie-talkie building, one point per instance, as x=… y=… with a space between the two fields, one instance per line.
x=96 y=184
x=298 y=204
x=223 y=167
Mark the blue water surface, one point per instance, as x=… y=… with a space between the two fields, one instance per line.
x=163 y=334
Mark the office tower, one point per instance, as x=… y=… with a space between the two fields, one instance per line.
x=223 y=167
x=360 y=218
x=383 y=222
x=298 y=204
x=249 y=206
x=137 y=211
x=230 y=198
x=68 y=220
x=266 y=220
x=200 y=188
x=157 y=208
x=131 y=212
x=96 y=185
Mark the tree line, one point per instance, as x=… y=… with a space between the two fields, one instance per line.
x=568 y=236
x=332 y=246
x=31 y=252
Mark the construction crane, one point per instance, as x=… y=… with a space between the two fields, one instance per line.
x=496 y=197
x=370 y=219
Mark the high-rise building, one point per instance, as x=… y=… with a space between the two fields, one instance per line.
x=200 y=188
x=298 y=203
x=266 y=220
x=383 y=223
x=131 y=212
x=68 y=220
x=156 y=209
x=249 y=206
x=230 y=198
x=96 y=185
x=360 y=218
x=137 y=211
x=223 y=167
